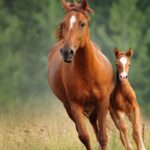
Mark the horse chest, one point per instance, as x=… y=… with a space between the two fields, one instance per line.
x=83 y=93
x=84 y=88
x=122 y=103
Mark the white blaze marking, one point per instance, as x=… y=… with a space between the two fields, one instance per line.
x=123 y=60
x=72 y=21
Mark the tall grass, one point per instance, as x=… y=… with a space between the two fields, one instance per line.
x=44 y=125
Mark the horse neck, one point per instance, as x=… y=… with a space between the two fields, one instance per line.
x=84 y=57
x=124 y=88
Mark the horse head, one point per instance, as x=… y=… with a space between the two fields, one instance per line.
x=73 y=30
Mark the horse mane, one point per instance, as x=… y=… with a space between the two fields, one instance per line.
x=59 y=31
x=73 y=7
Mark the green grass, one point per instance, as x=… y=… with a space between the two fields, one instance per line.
x=43 y=125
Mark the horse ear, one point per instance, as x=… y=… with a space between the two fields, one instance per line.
x=65 y=5
x=116 y=51
x=84 y=5
x=130 y=52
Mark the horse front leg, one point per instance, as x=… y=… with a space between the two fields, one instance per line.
x=102 y=118
x=77 y=113
x=68 y=110
x=118 y=118
x=93 y=121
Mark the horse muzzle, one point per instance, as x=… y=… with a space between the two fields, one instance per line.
x=67 y=54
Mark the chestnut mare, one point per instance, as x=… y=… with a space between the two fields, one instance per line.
x=123 y=102
x=80 y=75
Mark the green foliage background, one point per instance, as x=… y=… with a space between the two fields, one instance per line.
x=27 y=31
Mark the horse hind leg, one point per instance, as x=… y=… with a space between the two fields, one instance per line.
x=93 y=121
x=77 y=113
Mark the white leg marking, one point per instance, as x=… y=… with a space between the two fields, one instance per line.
x=123 y=60
x=142 y=144
x=122 y=114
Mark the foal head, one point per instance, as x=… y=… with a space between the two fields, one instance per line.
x=74 y=28
x=123 y=63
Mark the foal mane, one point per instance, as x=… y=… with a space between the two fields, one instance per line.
x=73 y=7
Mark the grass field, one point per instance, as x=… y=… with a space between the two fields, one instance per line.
x=43 y=125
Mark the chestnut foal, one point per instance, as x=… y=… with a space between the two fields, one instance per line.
x=123 y=102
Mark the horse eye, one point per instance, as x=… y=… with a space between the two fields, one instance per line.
x=82 y=24
x=129 y=65
x=116 y=64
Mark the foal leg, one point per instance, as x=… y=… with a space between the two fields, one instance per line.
x=77 y=113
x=102 y=118
x=137 y=129
x=120 y=124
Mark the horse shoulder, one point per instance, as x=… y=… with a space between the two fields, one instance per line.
x=55 y=71
x=104 y=70
x=54 y=49
x=131 y=97
x=132 y=93
x=102 y=57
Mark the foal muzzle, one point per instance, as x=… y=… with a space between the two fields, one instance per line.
x=123 y=78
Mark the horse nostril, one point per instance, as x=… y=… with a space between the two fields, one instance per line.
x=126 y=77
x=123 y=77
x=61 y=50
x=71 y=52
x=66 y=53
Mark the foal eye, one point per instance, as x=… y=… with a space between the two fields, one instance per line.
x=116 y=64
x=82 y=24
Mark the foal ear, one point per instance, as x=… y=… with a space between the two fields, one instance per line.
x=130 y=52
x=116 y=51
x=65 y=5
